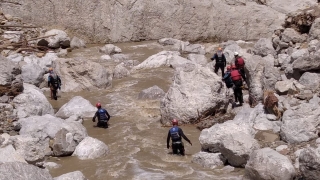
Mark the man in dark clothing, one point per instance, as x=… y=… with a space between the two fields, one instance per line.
x=103 y=117
x=54 y=83
x=221 y=61
x=175 y=133
x=239 y=62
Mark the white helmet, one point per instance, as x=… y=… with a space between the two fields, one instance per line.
x=236 y=53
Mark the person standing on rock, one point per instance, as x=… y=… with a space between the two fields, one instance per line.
x=54 y=83
x=221 y=61
x=227 y=79
x=236 y=77
x=175 y=133
x=239 y=62
x=103 y=117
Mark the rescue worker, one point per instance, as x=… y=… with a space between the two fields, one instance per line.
x=227 y=78
x=54 y=83
x=236 y=77
x=175 y=133
x=221 y=61
x=239 y=62
x=103 y=117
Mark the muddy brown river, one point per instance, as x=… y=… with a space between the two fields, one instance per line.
x=136 y=140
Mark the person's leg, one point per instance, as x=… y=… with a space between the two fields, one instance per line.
x=174 y=149
x=240 y=96
x=235 y=94
x=181 y=149
x=216 y=68
x=54 y=92
x=222 y=69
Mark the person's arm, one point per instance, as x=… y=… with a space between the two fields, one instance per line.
x=226 y=76
x=242 y=75
x=213 y=57
x=184 y=136
x=108 y=115
x=168 y=140
x=94 y=117
x=224 y=60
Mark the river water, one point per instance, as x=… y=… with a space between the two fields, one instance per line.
x=135 y=137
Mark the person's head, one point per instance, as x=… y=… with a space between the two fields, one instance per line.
x=233 y=67
x=228 y=68
x=98 y=105
x=236 y=54
x=50 y=69
x=174 y=122
x=219 y=49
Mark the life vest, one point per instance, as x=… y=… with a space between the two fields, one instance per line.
x=54 y=78
x=102 y=115
x=174 y=132
x=239 y=62
x=235 y=75
x=219 y=58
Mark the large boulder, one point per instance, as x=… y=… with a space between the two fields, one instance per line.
x=7 y=152
x=146 y=20
x=22 y=171
x=32 y=74
x=153 y=92
x=209 y=160
x=44 y=62
x=56 y=37
x=163 y=58
x=271 y=75
x=234 y=140
x=32 y=149
x=77 y=43
x=269 y=164
x=91 y=148
x=75 y=175
x=31 y=102
x=291 y=35
x=120 y=71
x=308 y=80
x=110 y=49
x=198 y=58
x=10 y=78
x=194 y=93
x=300 y=124
x=290 y=86
x=309 y=163
x=77 y=106
x=263 y=47
x=80 y=74
x=307 y=62
x=63 y=135
x=254 y=68
x=315 y=29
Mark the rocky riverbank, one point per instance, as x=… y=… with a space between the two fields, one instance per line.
x=285 y=63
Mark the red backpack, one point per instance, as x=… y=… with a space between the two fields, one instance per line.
x=235 y=75
x=240 y=62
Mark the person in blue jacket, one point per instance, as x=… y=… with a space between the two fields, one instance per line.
x=103 y=117
x=175 y=133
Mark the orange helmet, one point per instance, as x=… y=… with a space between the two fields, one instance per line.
x=175 y=122
x=233 y=66
x=98 y=105
x=219 y=49
x=228 y=68
x=50 y=69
